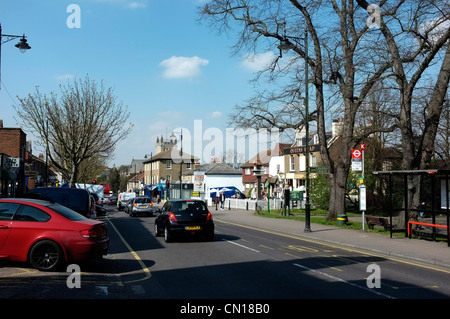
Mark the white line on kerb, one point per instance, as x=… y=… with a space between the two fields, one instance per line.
x=345 y=281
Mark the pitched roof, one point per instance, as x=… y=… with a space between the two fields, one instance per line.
x=170 y=154
x=263 y=157
x=215 y=169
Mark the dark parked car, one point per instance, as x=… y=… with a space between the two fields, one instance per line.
x=111 y=200
x=184 y=217
x=140 y=205
x=77 y=199
x=48 y=235
x=99 y=210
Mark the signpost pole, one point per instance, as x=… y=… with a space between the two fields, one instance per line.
x=362 y=202
x=362 y=187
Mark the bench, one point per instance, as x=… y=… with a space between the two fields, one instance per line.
x=380 y=221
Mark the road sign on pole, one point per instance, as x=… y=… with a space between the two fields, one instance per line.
x=356 y=160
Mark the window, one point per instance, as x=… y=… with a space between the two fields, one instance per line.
x=188 y=165
x=292 y=163
x=7 y=210
x=313 y=161
x=189 y=206
x=143 y=200
x=168 y=164
x=31 y=214
x=248 y=171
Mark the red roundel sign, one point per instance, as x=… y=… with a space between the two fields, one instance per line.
x=356 y=154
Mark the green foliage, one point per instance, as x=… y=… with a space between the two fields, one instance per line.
x=320 y=192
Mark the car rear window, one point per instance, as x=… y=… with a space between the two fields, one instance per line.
x=66 y=212
x=196 y=206
x=142 y=200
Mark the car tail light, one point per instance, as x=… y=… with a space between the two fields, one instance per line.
x=89 y=233
x=209 y=216
x=96 y=233
x=135 y=204
x=172 y=217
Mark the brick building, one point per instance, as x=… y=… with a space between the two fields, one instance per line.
x=13 y=152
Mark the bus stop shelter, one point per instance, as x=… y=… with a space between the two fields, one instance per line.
x=437 y=183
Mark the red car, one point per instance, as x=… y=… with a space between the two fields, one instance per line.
x=48 y=235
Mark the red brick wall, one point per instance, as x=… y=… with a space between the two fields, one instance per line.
x=12 y=142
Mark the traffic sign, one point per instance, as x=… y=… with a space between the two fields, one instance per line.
x=356 y=154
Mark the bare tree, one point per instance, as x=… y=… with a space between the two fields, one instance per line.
x=339 y=63
x=417 y=34
x=85 y=122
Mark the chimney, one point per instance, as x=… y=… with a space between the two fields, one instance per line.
x=336 y=127
x=1 y=123
x=41 y=156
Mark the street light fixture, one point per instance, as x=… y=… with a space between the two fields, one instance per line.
x=285 y=46
x=181 y=157
x=23 y=46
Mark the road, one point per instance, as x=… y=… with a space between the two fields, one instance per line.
x=241 y=263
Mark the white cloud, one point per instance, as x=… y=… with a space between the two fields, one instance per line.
x=140 y=4
x=216 y=114
x=64 y=77
x=136 y=5
x=183 y=67
x=258 y=61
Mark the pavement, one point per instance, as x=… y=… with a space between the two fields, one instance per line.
x=424 y=251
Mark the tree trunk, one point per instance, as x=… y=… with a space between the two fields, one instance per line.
x=73 y=176
x=337 y=181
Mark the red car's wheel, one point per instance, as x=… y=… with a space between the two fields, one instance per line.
x=46 y=255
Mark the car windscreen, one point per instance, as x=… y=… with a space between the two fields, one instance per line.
x=191 y=206
x=66 y=212
x=142 y=200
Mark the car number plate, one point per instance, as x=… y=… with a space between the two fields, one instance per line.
x=192 y=227
x=142 y=205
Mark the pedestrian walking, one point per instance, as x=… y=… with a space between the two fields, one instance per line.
x=222 y=200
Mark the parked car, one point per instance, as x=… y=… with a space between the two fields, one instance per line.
x=140 y=205
x=188 y=217
x=99 y=210
x=47 y=234
x=111 y=200
x=97 y=199
x=77 y=199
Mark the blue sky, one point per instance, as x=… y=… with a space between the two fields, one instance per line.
x=165 y=66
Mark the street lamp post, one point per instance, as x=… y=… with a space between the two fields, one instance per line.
x=286 y=45
x=181 y=158
x=22 y=45
x=151 y=175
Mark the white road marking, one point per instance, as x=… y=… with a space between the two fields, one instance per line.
x=246 y=247
x=344 y=281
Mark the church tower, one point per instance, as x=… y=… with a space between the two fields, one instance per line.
x=162 y=145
